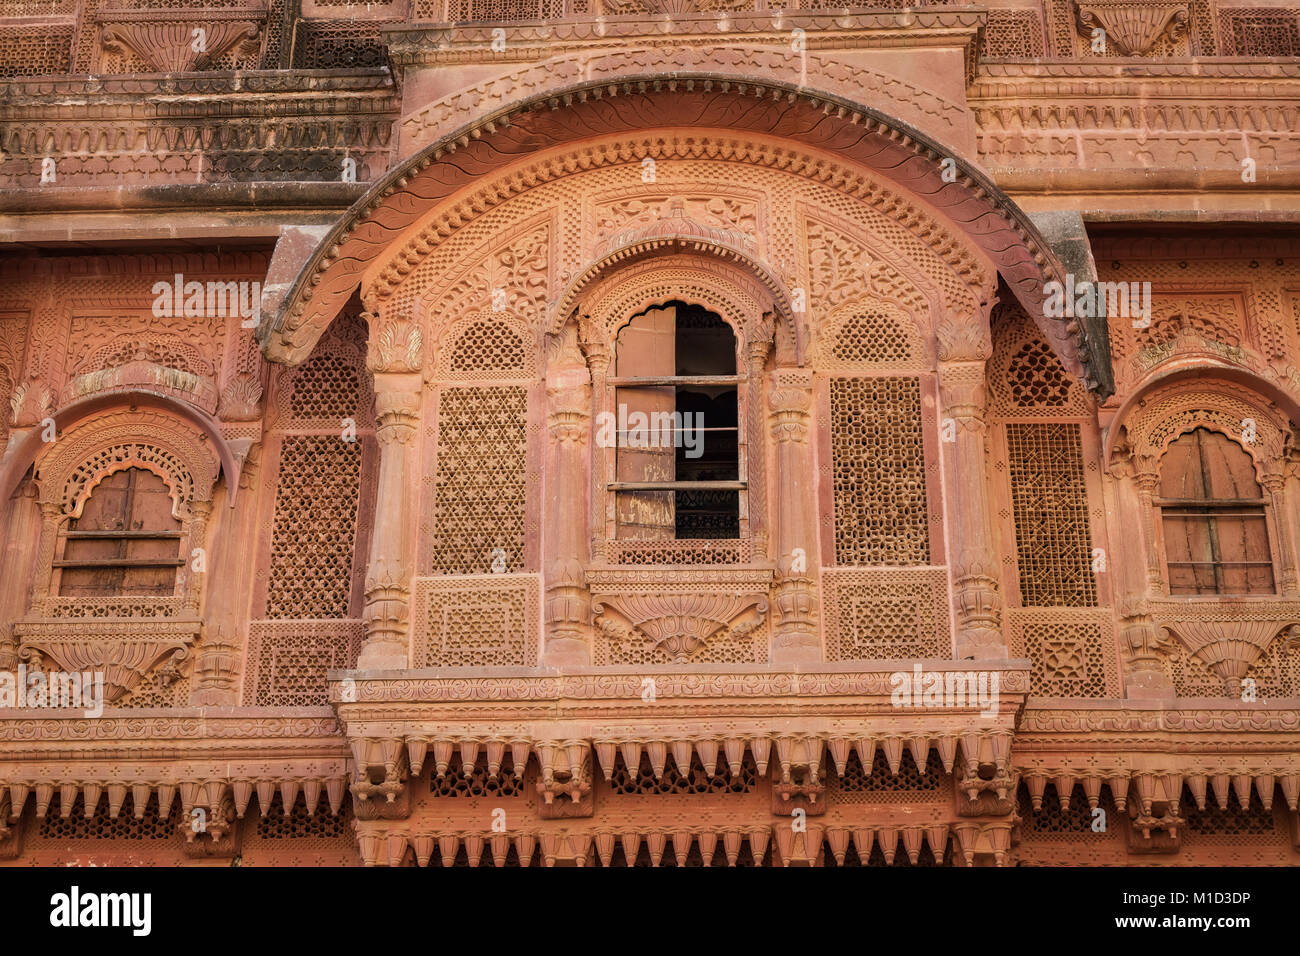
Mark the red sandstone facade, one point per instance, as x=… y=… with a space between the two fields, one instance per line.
x=367 y=583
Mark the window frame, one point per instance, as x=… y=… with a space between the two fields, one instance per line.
x=607 y=458
x=66 y=534
x=1161 y=506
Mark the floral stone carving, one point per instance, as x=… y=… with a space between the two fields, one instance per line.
x=680 y=616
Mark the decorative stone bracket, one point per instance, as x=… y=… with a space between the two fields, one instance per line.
x=1133 y=28
x=1229 y=648
x=678 y=618
x=123 y=651
x=179 y=40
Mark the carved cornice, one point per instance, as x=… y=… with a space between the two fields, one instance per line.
x=413 y=45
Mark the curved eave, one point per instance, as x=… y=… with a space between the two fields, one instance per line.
x=906 y=158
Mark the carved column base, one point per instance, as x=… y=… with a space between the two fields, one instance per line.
x=981 y=644
x=1148 y=683
x=795 y=639
x=566 y=649
x=216 y=671
x=568 y=607
x=383 y=655
x=796 y=647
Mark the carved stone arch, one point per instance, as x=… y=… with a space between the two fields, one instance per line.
x=183 y=416
x=484 y=345
x=722 y=287
x=1025 y=377
x=508 y=271
x=902 y=164
x=872 y=333
x=889 y=274
x=1172 y=411
x=1226 y=394
x=98 y=448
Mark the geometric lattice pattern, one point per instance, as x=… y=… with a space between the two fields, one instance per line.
x=480 y=620
x=287 y=660
x=487 y=346
x=37 y=50
x=878 y=461
x=480 y=484
x=327 y=388
x=1049 y=503
x=102 y=826
x=301 y=825
x=478 y=782
x=886 y=614
x=1037 y=378
x=873 y=335
x=1227 y=822
x=336 y=45
x=314 y=531
x=1013 y=34
x=1072 y=652
x=1259 y=31
x=880 y=786
x=672 y=781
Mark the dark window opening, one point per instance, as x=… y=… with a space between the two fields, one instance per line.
x=677 y=471
x=126 y=541
x=1212 y=513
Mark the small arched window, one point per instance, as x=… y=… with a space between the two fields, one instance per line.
x=126 y=541
x=677 y=465
x=1213 y=518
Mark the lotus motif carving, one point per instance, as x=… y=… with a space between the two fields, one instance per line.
x=1133 y=28
x=679 y=624
x=1229 y=648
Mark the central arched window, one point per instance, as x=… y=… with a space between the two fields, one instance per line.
x=1213 y=517
x=678 y=469
x=125 y=542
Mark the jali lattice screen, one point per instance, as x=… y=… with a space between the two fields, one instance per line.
x=1049 y=501
x=878 y=471
x=481 y=489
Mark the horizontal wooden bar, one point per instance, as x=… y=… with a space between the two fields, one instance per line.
x=121 y=563
x=677 y=486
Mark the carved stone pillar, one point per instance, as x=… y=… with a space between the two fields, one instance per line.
x=974 y=560
x=1274 y=481
x=1146 y=482
x=22 y=540
x=1142 y=645
x=217 y=666
x=50 y=513
x=597 y=352
x=568 y=431
x=794 y=637
x=395 y=357
x=192 y=587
